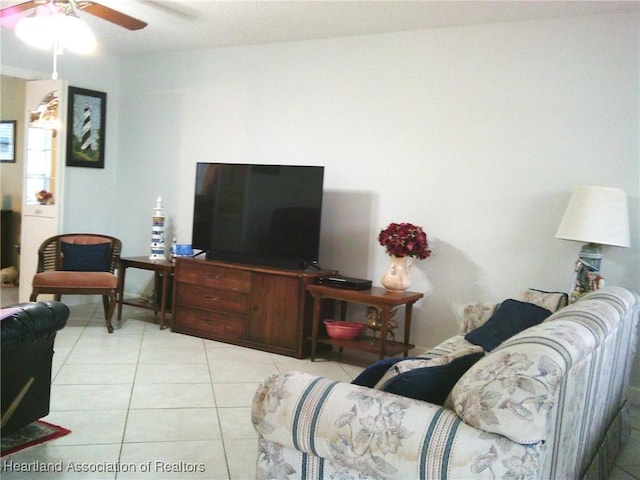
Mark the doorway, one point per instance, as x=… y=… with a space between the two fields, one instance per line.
x=12 y=91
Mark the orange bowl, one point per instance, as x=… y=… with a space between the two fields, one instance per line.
x=343 y=330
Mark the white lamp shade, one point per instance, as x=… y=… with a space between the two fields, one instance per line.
x=596 y=215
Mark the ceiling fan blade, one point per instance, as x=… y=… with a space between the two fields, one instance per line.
x=111 y=15
x=19 y=8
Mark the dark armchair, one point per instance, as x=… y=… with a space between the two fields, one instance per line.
x=28 y=333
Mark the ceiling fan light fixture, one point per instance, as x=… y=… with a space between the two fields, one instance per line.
x=35 y=30
x=50 y=28
x=75 y=34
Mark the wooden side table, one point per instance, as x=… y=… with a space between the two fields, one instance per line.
x=375 y=296
x=163 y=269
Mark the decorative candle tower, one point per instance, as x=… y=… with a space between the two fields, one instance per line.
x=157 y=232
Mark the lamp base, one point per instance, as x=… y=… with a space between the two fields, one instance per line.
x=587 y=272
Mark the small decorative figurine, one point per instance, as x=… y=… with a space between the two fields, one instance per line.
x=374 y=322
x=157 y=232
x=587 y=272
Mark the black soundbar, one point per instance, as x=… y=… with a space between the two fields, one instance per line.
x=340 y=281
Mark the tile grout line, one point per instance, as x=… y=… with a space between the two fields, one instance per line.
x=215 y=401
x=133 y=383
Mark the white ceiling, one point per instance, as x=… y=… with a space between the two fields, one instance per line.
x=176 y=25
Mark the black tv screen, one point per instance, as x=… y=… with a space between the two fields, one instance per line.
x=258 y=214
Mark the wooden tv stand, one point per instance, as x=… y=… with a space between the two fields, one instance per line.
x=258 y=307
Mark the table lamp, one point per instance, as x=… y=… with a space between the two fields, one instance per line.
x=598 y=216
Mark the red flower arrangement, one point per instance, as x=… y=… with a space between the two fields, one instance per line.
x=44 y=197
x=405 y=240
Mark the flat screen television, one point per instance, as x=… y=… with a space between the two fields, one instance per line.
x=258 y=214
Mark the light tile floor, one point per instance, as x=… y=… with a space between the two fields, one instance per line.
x=157 y=404
x=150 y=399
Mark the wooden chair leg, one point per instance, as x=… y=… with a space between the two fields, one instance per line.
x=109 y=303
x=105 y=305
x=34 y=295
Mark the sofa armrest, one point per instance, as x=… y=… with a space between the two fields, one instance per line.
x=32 y=322
x=378 y=433
x=514 y=391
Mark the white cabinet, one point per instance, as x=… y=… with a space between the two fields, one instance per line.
x=45 y=117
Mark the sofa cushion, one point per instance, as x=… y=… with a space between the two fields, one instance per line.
x=511 y=317
x=552 y=301
x=430 y=383
x=476 y=315
x=443 y=354
x=78 y=280
x=85 y=258
x=374 y=372
x=452 y=347
x=511 y=391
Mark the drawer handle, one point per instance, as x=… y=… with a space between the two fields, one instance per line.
x=211 y=297
x=215 y=276
x=208 y=320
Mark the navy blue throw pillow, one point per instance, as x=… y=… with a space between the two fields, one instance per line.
x=85 y=258
x=511 y=317
x=374 y=372
x=431 y=384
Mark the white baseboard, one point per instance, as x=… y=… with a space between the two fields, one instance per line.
x=633 y=395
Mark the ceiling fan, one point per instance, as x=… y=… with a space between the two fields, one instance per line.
x=93 y=8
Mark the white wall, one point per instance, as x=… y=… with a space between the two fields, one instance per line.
x=89 y=193
x=479 y=134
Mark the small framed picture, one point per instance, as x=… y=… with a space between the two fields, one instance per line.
x=86 y=128
x=8 y=141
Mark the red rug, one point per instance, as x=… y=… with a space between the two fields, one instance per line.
x=30 y=435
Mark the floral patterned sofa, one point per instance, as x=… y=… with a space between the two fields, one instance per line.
x=549 y=402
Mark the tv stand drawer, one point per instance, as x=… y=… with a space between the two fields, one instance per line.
x=213 y=299
x=199 y=273
x=208 y=324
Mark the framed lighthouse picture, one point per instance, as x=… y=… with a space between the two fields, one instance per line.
x=86 y=128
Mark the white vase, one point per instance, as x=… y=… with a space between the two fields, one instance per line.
x=398 y=277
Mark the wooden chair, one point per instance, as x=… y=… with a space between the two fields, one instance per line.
x=79 y=264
